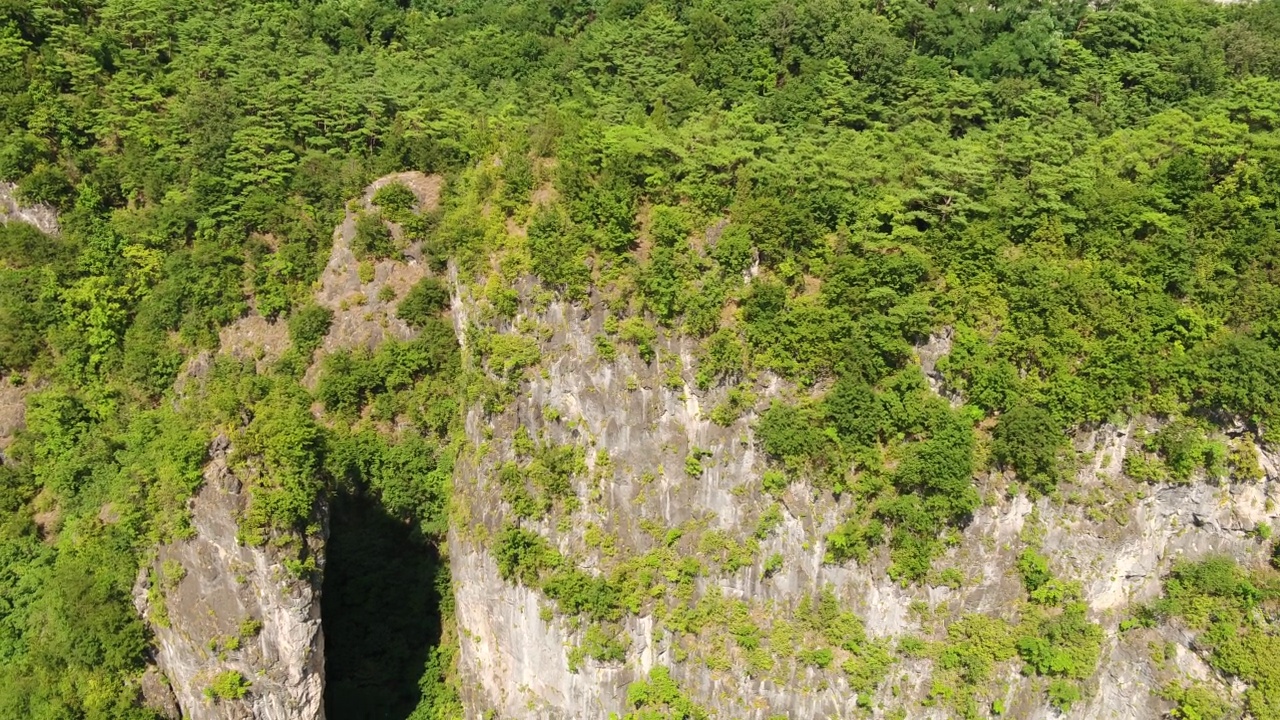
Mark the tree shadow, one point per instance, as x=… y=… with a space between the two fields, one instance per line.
x=380 y=610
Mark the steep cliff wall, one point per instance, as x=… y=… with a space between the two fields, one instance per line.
x=218 y=607
x=638 y=423
x=222 y=610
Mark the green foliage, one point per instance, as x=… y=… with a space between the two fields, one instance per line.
x=935 y=489
x=601 y=644
x=534 y=489
x=866 y=662
x=722 y=358
x=395 y=199
x=522 y=555
x=1027 y=440
x=227 y=685
x=1034 y=569
x=659 y=698
x=1183 y=447
x=372 y=239
x=308 y=326
x=639 y=333
x=424 y=302
x=290 y=444
x=1063 y=693
x=974 y=645
x=790 y=433
x=1220 y=601
x=1195 y=702
x=605 y=348
x=556 y=253
x=854 y=540
x=772 y=565
x=350 y=380
x=1064 y=646
x=509 y=355
x=854 y=410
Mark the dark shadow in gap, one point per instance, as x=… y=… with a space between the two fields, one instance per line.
x=380 y=609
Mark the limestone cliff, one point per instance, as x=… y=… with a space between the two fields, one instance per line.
x=224 y=611
x=43 y=217
x=218 y=607
x=639 y=422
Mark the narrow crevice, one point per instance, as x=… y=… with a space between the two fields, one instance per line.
x=380 y=610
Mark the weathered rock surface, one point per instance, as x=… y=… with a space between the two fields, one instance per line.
x=361 y=318
x=217 y=606
x=233 y=608
x=1116 y=537
x=42 y=217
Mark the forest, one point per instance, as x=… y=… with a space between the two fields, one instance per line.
x=1084 y=194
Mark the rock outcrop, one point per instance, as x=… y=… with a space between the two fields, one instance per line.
x=644 y=419
x=218 y=607
x=43 y=217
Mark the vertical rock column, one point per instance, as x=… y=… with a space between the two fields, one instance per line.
x=231 y=620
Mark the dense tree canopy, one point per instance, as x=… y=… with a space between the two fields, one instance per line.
x=1085 y=194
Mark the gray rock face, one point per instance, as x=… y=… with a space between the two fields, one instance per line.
x=360 y=317
x=1117 y=537
x=216 y=606
x=42 y=217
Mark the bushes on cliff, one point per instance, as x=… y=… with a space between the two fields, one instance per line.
x=308 y=325
x=1231 y=610
x=1028 y=441
x=424 y=301
x=791 y=433
x=350 y=380
x=658 y=696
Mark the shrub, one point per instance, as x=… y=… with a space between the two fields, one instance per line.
x=228 y=685
x=396 y=199
x=787 y=433
x=722 y=357
x=854 y=410
x=853 y=540
x=772 y=565
x=659 y=696
x=1185 y=447
x=1028 y=439
x=1065 y=646
x=605 y=348
x=424 y=301
x=641 y=334
x=522 y=555
x=1063 y=693
x=556 y=252
x=308 y=325
x=46 y=184
x=1034 y=569
x=509 y=355
x=1195 y=702
x=372 y=239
